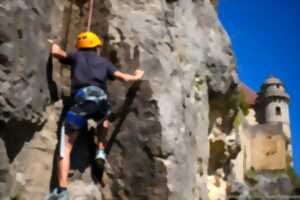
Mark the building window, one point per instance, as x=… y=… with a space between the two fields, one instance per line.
x=278 y=85
x=278 y=110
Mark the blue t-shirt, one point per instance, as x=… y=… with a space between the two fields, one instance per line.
x=87 y=68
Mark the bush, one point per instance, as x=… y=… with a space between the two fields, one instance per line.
x=292 y=173
x=215 y=3
x=237 y=121
x=244 y=106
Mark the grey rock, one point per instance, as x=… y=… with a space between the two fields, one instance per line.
x=4 y=172
x=80 y=190
x=159 y=146
x=265 y=185
x=24 y=29
x=181 y=47
x=23 y=58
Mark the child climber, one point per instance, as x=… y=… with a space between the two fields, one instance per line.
x=89 y=72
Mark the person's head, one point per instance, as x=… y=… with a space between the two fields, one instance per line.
x=89 y=41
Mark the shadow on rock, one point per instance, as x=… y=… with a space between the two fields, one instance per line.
x=16 y=134
x=125 y=109
x=121 y=116
x=52 y=86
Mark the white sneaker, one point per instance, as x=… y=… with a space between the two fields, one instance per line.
x=100 y=159
x=54 y=195
x=100 y=154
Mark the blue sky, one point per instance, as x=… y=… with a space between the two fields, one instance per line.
x=266 y=40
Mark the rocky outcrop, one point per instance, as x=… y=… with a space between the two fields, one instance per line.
x=183 y=62
x=24 y=31
x=159 y=147
x=24 y=28
x=4 y=172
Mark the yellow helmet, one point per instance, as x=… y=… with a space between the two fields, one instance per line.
x=88 y=40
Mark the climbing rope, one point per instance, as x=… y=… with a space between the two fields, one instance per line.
x=89 y=25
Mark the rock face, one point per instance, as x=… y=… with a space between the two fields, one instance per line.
x=4 y=171
x=164 y=145
x=267 y=185
x=24 y=28
x=159 y=146
x=24 y=31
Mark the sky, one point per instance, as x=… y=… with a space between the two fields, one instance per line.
x=265 y=35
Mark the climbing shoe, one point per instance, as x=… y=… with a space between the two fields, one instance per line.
x=56 y=195
x=100 y=159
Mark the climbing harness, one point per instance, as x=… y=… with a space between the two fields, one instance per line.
x=89 y=102
x=91 y=93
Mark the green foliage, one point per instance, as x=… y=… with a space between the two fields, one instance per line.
x=17 y=197
x=292 y=173
x=237 y=121
x=250 y=176
x=215 y=3
x=194 y=189
x=244 y=106
x=109 y=36
x=198 y=86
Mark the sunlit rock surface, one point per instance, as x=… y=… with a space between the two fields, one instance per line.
x=172 y=133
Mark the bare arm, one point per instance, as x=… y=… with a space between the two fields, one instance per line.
x=138 y=74
x=58 y=52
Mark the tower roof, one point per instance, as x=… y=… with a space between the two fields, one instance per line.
x=272 y=80
x=277 y=93
x=270 y=91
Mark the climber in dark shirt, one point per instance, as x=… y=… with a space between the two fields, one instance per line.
x=85 y=69
x=89 y=73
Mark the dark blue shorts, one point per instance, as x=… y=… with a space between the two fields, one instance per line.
x=89 y=103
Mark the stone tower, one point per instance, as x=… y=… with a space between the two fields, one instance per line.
x=276 y=103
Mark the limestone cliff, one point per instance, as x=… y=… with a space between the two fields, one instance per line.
x=160 y=126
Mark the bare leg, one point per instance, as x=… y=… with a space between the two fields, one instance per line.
x=64 y=163
x=101 y=135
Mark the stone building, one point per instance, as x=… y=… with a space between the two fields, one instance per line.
x=265 y=130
